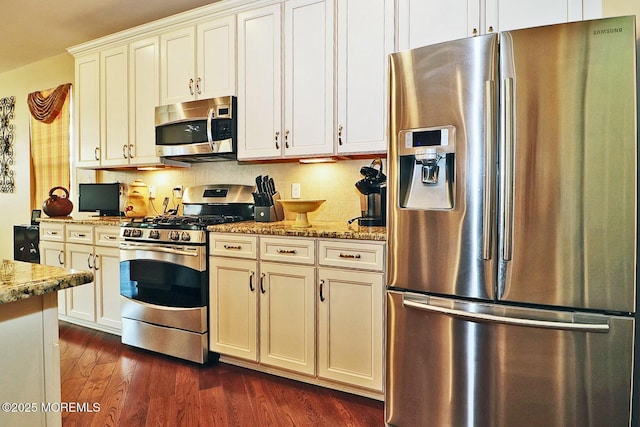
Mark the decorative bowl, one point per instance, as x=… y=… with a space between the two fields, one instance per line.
x=301 y=207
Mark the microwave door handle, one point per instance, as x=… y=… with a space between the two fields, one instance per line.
x=210 y=128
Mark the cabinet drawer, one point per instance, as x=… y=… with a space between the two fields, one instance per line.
x=350 y=254
x=233 y=245
x=107 y=236
x=79 y=234
x=299 y=251
x=52 y=232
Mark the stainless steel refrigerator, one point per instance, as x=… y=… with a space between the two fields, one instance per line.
x=512 y=236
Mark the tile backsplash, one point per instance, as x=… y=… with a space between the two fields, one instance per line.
x=334 y=182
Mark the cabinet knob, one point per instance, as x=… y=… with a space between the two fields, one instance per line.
x=475 y=32
x=491 y=28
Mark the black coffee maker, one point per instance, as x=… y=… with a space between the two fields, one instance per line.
x=373 y=195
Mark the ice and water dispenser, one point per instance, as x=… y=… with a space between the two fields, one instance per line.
x=427 y=168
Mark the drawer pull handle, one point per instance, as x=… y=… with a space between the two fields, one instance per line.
x=350 y=256
x=233 y=247
x=322 y=298
x=287 y=251
x=110 y=237
x=52 y=233
x=79 y=235
x=251 y=276
x=262 y=284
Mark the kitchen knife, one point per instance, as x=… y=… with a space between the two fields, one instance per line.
x=259 y=183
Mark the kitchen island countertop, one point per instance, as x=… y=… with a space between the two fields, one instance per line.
x=321 y=229
x=21 y=280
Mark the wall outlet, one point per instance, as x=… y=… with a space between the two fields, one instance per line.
x=152 y=192
x=295 y=190
x=177 y=191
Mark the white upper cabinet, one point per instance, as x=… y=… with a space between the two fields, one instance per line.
x=308 y=74
x=115 y=149
x=144 y=95
x=87 y=110
x=365 y=38
x=302 y=124
x=424 y=22
x=260 y=83
x=198 y=62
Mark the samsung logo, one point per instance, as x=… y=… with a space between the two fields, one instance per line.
x=607 y=31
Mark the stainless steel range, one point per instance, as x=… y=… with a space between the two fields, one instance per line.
x=164 y=280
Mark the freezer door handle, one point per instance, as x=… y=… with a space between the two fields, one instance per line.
x=508 y=135
x=490 y=136
x=485 y=315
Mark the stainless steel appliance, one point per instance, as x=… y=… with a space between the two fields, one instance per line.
x=164 y=279
x=197 y=131
x=512 y=229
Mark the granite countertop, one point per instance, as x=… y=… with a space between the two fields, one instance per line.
x=323 y=229
x=97 y=220
x=20 y=280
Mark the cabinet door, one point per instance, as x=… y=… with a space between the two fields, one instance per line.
x=81 y=299
x=505 y=15
x=87 y=110
x=144 y=96
x=287 y=320
x=216 y=58
x=107 y=286
x=52 y=253
x=177 y=66
x=365 y=39
x=309 y=81
x=114 y=99
x=259 y=83
x=233 y=307
x=425 y=22
x=350 y=327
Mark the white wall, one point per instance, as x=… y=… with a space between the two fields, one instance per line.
x=19 y=83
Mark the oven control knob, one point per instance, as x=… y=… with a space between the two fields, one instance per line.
x=136 y=232
x=154 y=234
x=126 y=232
x=185 y=236
x=174 y=235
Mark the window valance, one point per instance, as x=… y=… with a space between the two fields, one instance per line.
x=47 y=108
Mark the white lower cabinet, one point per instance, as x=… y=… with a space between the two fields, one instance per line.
x=305 y=308
x=91 y=248
x=287 y=316
x=350 y=325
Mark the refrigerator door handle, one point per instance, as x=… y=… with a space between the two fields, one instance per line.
x=489 y=138
x=508 y=120
x=422 y=303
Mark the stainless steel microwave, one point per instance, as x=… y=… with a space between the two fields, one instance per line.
x=195 y=131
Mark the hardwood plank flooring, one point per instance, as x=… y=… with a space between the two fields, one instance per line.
x=135 y=388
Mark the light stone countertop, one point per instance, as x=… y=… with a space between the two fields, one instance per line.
x=321 y=229
x=21 y=280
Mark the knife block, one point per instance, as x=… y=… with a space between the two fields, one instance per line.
x=269 y=213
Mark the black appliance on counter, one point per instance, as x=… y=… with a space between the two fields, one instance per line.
x=26 y=240
x=164 y=279
x=373 y=195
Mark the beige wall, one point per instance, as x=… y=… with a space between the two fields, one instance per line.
x=19 y=83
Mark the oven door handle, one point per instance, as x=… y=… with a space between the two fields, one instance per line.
x=175 y=250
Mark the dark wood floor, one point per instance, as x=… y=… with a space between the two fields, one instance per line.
x=138 y=388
